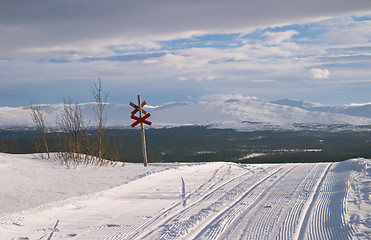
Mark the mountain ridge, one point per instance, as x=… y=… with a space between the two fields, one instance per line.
x=358 y=110
x=231 y=113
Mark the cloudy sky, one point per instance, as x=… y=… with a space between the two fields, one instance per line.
x=172 y=50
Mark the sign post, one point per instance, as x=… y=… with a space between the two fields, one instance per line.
x=141 y=120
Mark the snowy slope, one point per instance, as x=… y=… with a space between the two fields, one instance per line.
x=189 y=201
x=28 y=181
x=220 y=114
x=358 y=110
x=14 y=117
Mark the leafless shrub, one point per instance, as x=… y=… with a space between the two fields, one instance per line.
x=72 y=140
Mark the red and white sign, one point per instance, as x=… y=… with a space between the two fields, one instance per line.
x=140 y=119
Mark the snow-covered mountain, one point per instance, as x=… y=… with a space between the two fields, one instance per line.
x=233 y=113
x=358 y=110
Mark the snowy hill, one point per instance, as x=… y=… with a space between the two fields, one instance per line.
x=358 y=110
x=233 y=113
x=42 y=200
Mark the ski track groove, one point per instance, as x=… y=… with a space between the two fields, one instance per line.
x=232 y=213
x=165 y=213
x=252 y=207
x=127 y=232
x=197 y=192
x=262 y=226
x=327 y=220
x=181 y=223
x=290 y=221
x=233 y=210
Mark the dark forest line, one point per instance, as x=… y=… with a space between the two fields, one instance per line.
x=200 y=144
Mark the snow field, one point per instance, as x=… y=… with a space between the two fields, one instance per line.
x=202 y=201
x=358 y=205
x=27 y=181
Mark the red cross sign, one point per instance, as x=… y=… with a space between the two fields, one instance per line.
x=136 y=108
x=140 y=119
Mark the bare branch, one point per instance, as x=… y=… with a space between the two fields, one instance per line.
x=39 y=120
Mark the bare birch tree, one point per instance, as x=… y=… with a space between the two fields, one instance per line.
x=99 y=112
x=39 y=120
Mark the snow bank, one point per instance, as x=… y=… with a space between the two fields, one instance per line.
x=358 y=202
x=28 y=181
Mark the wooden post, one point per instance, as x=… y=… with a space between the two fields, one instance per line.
x=144 y=147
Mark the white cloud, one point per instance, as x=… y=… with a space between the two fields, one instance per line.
x=358 y=104
x=208 y=78
x=276 y=44
x=150 y=61
x=138 y=45
x=318 y=73
x=224 y=97
x=345 y=31
x=178 y=61
x=275 y=38
x=196 y=58
x=264 y=81
x=182 y=78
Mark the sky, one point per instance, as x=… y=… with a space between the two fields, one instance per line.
x=172 y=50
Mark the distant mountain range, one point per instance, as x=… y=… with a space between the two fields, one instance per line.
x=233 y=113
x=358 y=110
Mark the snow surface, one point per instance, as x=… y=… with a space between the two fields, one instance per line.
x=42 y=200
x=233 y=113
x=360 y=110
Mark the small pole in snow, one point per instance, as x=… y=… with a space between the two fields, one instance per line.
x=183 y=191
x=144 y=147
x=141 y=120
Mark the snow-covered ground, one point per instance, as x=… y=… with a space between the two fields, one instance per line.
x=42 y=200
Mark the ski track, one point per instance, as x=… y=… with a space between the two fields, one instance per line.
x=327 y=219
x=207 y=198
x=218 y=176
x=189 y=207
x=283 y=201
x=218 y=199
x=295 y=206
x=223 y=225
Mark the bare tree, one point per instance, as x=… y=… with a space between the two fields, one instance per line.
x=39 y=120
x=99 y=112
x=107 y=148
